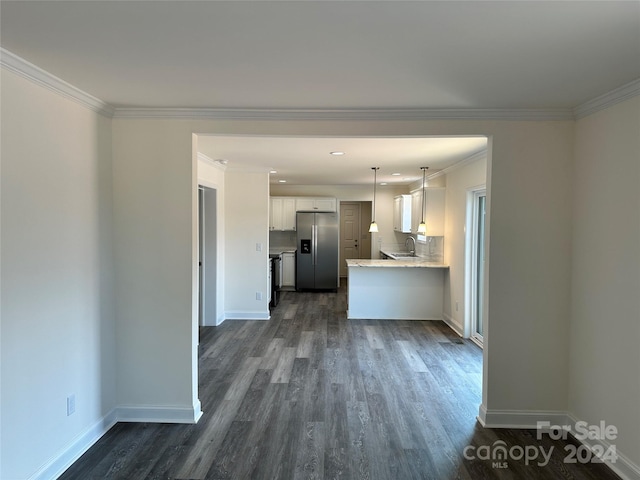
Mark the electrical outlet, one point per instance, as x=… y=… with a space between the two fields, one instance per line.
x=456 y=306
x=258 y=247
x=258 y=295
x=71 y=404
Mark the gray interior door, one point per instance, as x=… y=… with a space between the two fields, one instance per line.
x=349 y=233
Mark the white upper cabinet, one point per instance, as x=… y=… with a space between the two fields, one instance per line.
x=288 y=213
x=416 y=209
x=282 y=215
x=402 y=213
x=320 y=204
x=433 y=211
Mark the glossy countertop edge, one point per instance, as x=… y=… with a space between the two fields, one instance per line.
x=411 y=262
x=281 y=250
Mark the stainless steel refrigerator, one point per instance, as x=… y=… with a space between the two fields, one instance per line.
x=317 y=251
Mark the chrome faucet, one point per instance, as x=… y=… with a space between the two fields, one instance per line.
x=412 y=251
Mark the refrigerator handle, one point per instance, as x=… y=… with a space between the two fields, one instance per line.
x=314 y=247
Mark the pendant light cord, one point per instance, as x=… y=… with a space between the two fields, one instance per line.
x=424 y=171
x=375 y=177
x=373 y=228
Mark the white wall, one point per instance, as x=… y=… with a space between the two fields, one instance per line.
x=57 y=285
x=529 y=234
x=246 y=226
x=605 y=324
x=155 y=221
x=458 y=182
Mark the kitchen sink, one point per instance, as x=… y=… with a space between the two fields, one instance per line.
x=397 y=255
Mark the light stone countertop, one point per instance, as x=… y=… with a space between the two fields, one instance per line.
x=280 y=250
x=409 y=262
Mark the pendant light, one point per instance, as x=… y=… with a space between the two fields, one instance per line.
x=422 y=228
x=373 y=228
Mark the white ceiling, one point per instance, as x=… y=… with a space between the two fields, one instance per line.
x=323 y=55
x=331 y=54
x=308 y=160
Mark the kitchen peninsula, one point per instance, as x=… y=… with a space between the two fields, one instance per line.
x=409 y=288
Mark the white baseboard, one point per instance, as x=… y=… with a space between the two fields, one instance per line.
x=453 y=324
x=623 y=467
x=247 y=315
x=369 y=317
x=74 y=450
x=519 y=418
x=159 y=413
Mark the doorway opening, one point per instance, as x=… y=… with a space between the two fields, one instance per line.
x=475 y=263
x=260 y=152
x=207 y=257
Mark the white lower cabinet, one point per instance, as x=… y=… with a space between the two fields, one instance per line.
x=289 y=269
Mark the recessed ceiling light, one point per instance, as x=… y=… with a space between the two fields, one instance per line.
x=383 y=183
x=273 y=171
x=396 y=174
x=282 y=181
x=337 y=153
x=222 y=161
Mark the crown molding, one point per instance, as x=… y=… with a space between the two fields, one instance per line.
x=608 y=99
x=407 y=114
x=21 y=67
x=462 y=163
x=210 y=161
x=229 y=168
x=25 y=69
x=417 y=185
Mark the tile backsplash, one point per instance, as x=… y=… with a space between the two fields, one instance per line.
x=432 y=250
x=282 y=239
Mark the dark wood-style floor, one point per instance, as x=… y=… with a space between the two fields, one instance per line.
x=312 y=395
